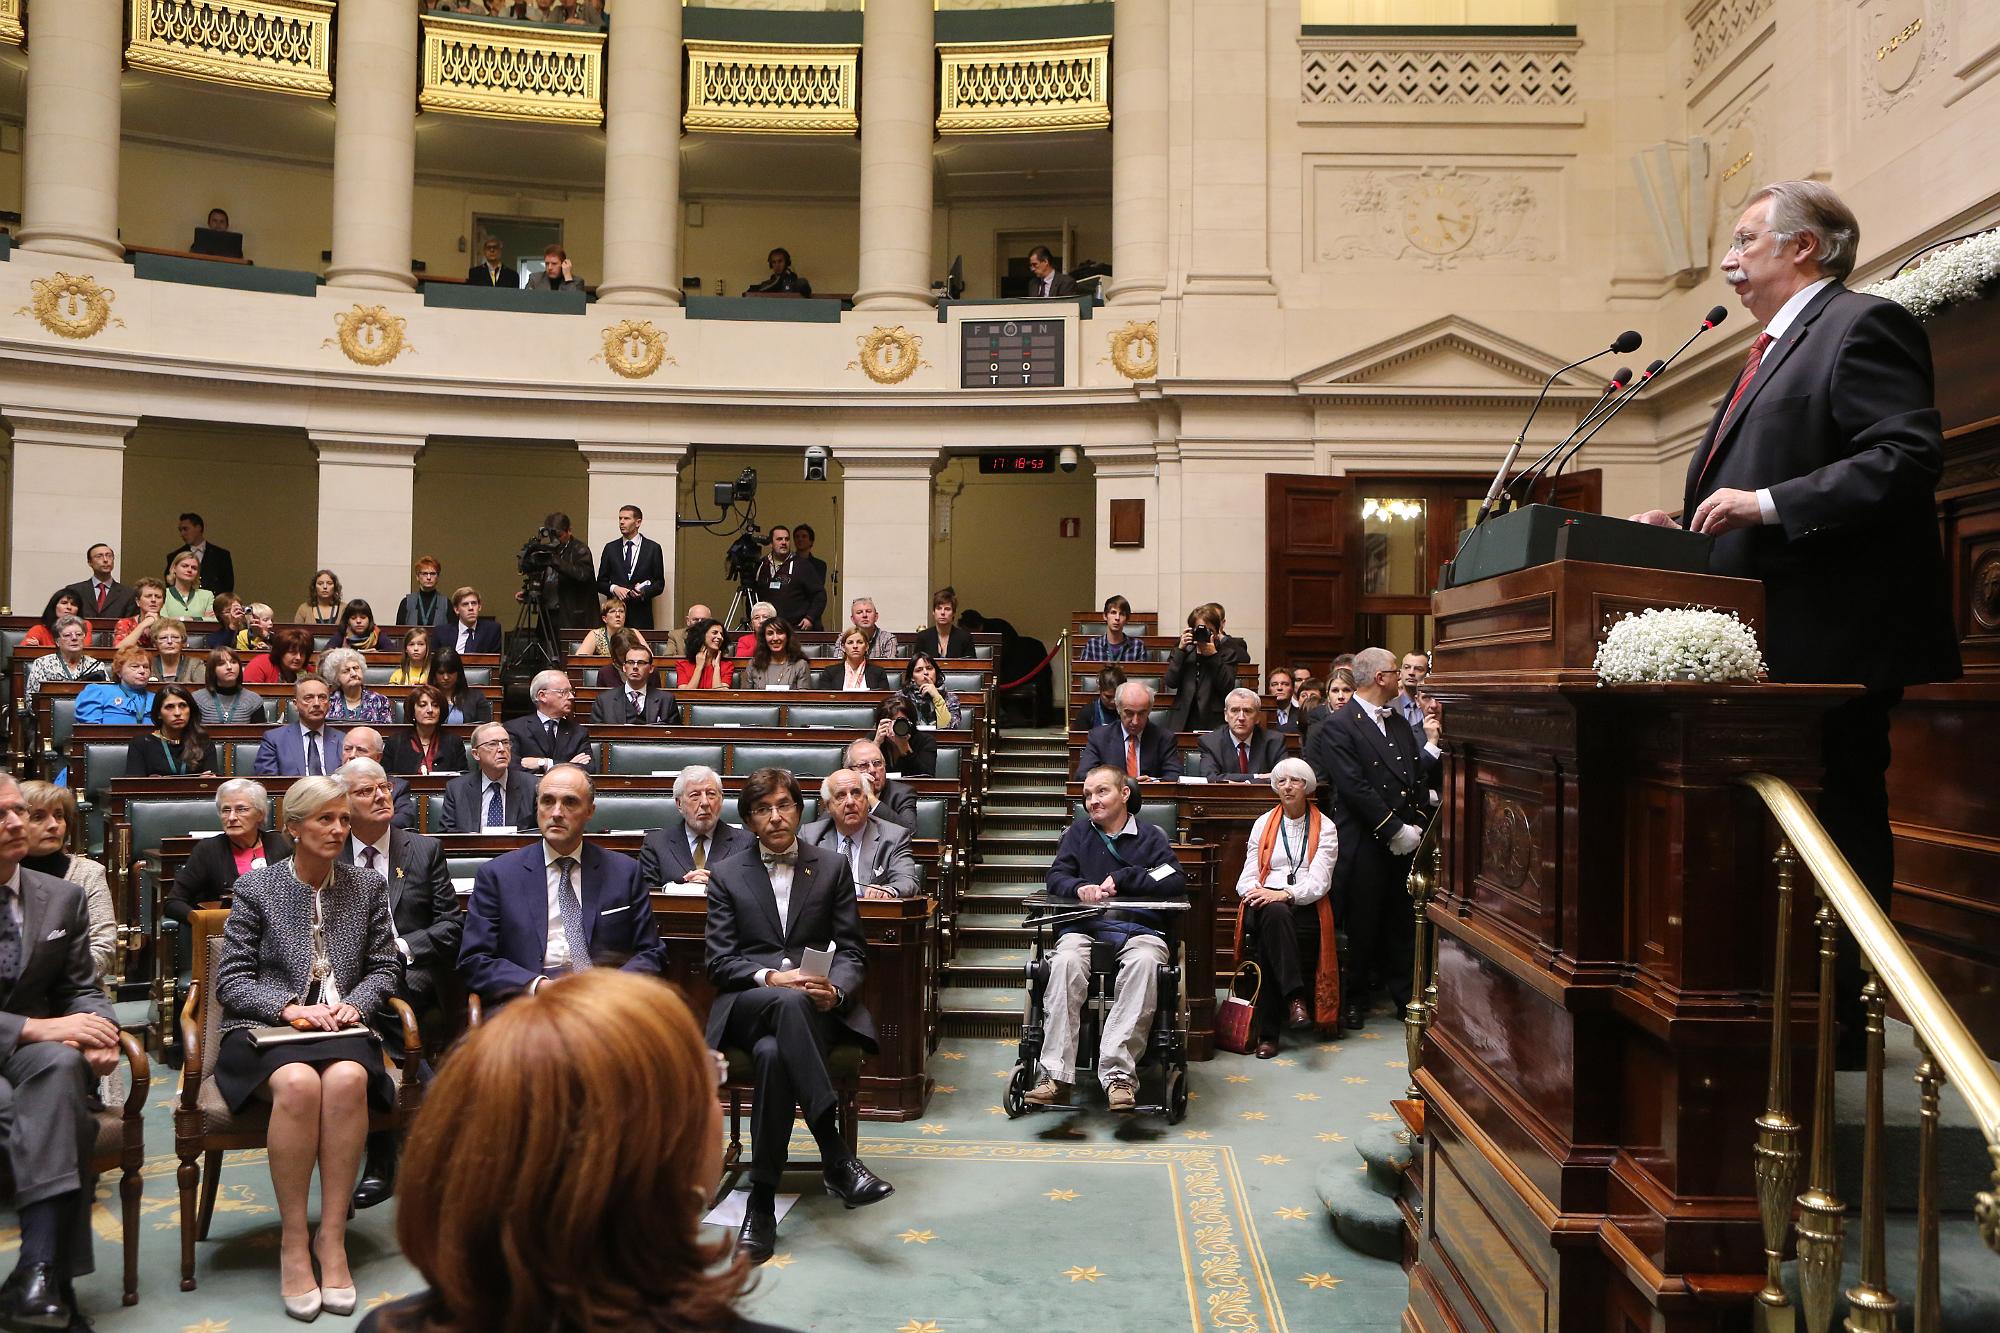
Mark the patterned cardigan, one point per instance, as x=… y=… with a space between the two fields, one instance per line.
x=267 y=944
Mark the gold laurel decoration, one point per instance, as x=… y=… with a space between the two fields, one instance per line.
x=1135 y=350
x=370 y=336
x=635 y=349
x=72 y=305
x=889 y=356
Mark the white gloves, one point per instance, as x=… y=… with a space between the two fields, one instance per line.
x=1405 y=839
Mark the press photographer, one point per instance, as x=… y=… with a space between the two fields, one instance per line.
x=558 y=570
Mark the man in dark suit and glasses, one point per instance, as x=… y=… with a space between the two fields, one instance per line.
x=547 y=736
x=493 y=270
x=682 y=855
x=636 y=700
x=423 y=907
x=766 y=907
x=1817 y=475
x=495 y=793
x=57 y=1038
x=1374 y=778
x=633 y=568
x=558 y=905
x=1046 y=279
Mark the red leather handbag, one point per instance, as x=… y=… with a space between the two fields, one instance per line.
x=1236 y=1017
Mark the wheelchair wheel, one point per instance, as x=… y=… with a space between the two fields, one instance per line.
x=1011 y=1101
x=1177 y=1096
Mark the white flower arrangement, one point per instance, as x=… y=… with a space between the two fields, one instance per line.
x=1662 y=643
x=1952 y=275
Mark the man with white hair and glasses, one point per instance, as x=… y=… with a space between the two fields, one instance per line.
x=682 y=855
x=548 y=736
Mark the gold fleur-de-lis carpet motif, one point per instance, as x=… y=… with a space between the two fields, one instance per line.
x=1074 y=1219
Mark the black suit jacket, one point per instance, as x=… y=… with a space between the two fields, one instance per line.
x=649 y=566
x=531 y=739
x=401 y=757
x=119 y=599
x=664 y=856
x=1159 y=756
x=425 y=909
x=898 y=804
x=613 y=707
x=481 y=276
x=1064 y=285
x=745 y=934
x=485 y=635
x=465 y=810
x=218 y=571
x=1218 y=752
x=834 y=677
x=957 y=644
x=1840 y=425
x=209 y=871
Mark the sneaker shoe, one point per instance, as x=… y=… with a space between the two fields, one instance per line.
x=1122 y=1094
x=1047 y=1093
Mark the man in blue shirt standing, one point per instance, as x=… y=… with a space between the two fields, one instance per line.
x=1102 y=858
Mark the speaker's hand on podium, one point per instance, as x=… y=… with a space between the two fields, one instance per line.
x=1658 y=518
x=1725 y=511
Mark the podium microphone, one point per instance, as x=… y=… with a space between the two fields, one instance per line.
x=1518 y=491
x=1715 y=316
x=1627 y=341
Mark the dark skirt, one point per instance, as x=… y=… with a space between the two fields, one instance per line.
x=241 y=1068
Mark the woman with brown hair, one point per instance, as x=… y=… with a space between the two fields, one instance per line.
x=426 y=747
x=223 y=698
x=581 y=1231
x=289 y=654
x=323 y=603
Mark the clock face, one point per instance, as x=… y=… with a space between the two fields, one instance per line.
x=1439 y=217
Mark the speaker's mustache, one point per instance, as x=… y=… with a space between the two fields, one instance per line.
x=1736 y=277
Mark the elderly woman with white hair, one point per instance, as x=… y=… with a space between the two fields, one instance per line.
x=309 y=948
x=353 y=701
x=215 y=864
x=1287 y=872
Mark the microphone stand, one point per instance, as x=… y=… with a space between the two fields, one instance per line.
x=1602 y=421
x=1525 y=481
x=1514 y=449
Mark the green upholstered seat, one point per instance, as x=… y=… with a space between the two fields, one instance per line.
x=157 y=818
x=932 y=813
x=966 y=682
x=950 y=760
x=479 y=675
x=895 y=675
x=746 y=715
x=377 y=675
x=633 y=811
x=855 y=717
x=243 y=758
x=647 y=757
x=62 y=718
x=804 y=761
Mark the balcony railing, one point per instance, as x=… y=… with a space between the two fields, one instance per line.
x=281 y=46
x=1010 y=87
x=10 y=21
x=513 y=71
x=751 y=88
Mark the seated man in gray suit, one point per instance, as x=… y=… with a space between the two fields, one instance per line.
x=1240 y=748
x=877 y=851
x=57 y=1038
x=683 y=855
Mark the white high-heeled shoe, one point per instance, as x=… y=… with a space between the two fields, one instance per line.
x=337 y=1300
x=304 y=1308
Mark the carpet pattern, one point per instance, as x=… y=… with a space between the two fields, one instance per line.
x=1073 y=1219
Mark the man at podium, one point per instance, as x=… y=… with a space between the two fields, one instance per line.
x=1816 y=476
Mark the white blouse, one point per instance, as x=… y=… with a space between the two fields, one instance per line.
x=1311 y=880
x=856 y=678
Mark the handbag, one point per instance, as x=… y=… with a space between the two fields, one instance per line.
x=1235 y=1017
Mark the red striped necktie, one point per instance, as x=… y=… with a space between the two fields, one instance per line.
x=1750 y=365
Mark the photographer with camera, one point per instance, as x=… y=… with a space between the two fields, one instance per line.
x=791 y=583
x=558 y=569
x=1202 y=671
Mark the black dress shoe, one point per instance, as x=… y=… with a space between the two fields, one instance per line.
x=1266 y=1049
x=32 y=1297
x=77 y=1322
x=378 y=1177
x=855 y=1185
x=758 y=1236
x=1353 y=1016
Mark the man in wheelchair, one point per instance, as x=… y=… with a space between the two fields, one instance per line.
x=1101 y=858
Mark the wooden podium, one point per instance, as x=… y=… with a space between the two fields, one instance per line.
x=1604 y=933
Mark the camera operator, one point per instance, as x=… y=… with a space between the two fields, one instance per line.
x=791 y=583
x=1202 y=671
x=906 y=748
x=560 y=568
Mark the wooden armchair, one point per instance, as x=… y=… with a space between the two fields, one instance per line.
x=121 y=1146
x=204 y=1127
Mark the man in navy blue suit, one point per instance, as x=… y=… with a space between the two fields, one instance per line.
x=1134 y=745
x=558 y=905
x=285 y=752
x=470 y=632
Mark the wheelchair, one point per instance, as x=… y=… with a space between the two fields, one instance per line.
x=1167 y=1038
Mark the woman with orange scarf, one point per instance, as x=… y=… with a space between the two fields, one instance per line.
x=1286 y=874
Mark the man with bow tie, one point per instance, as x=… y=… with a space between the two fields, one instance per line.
x=1375 y=775
x=766 y=906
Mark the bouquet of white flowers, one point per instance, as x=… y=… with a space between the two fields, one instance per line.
x=1951 y=275
x=1662 y=643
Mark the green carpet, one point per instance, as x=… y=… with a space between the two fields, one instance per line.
x=1077 y=1220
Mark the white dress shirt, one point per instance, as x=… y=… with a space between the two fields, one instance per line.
x=556 y=956
x=380 y=847
x=1376 y=715
x=781 y=889
x=1781 y=324
x=1311 y=880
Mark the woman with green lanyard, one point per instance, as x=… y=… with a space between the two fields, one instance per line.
x=172 y=663
x=178 y=745
x=224 y=699
x=1287 y=871
x=186 y=598
x=323 y=601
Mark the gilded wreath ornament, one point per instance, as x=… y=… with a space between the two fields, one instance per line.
x=889 y=356
x=72 y=305
x=1135 y=350
x=370 y=336
x=635 y=349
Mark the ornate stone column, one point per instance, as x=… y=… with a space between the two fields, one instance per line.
x=885 y=536
x=646 y=475
x=1138 y=152
x=642 y=156
x=69 y=146
x=898 y=115
x=68 y=492
x=374 y=145
x=367 y=512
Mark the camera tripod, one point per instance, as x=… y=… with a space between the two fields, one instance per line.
x=736 y=620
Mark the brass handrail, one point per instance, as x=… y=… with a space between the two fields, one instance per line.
x=1938 y=1027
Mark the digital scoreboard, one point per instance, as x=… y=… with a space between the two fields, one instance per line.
x=1011 y=353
